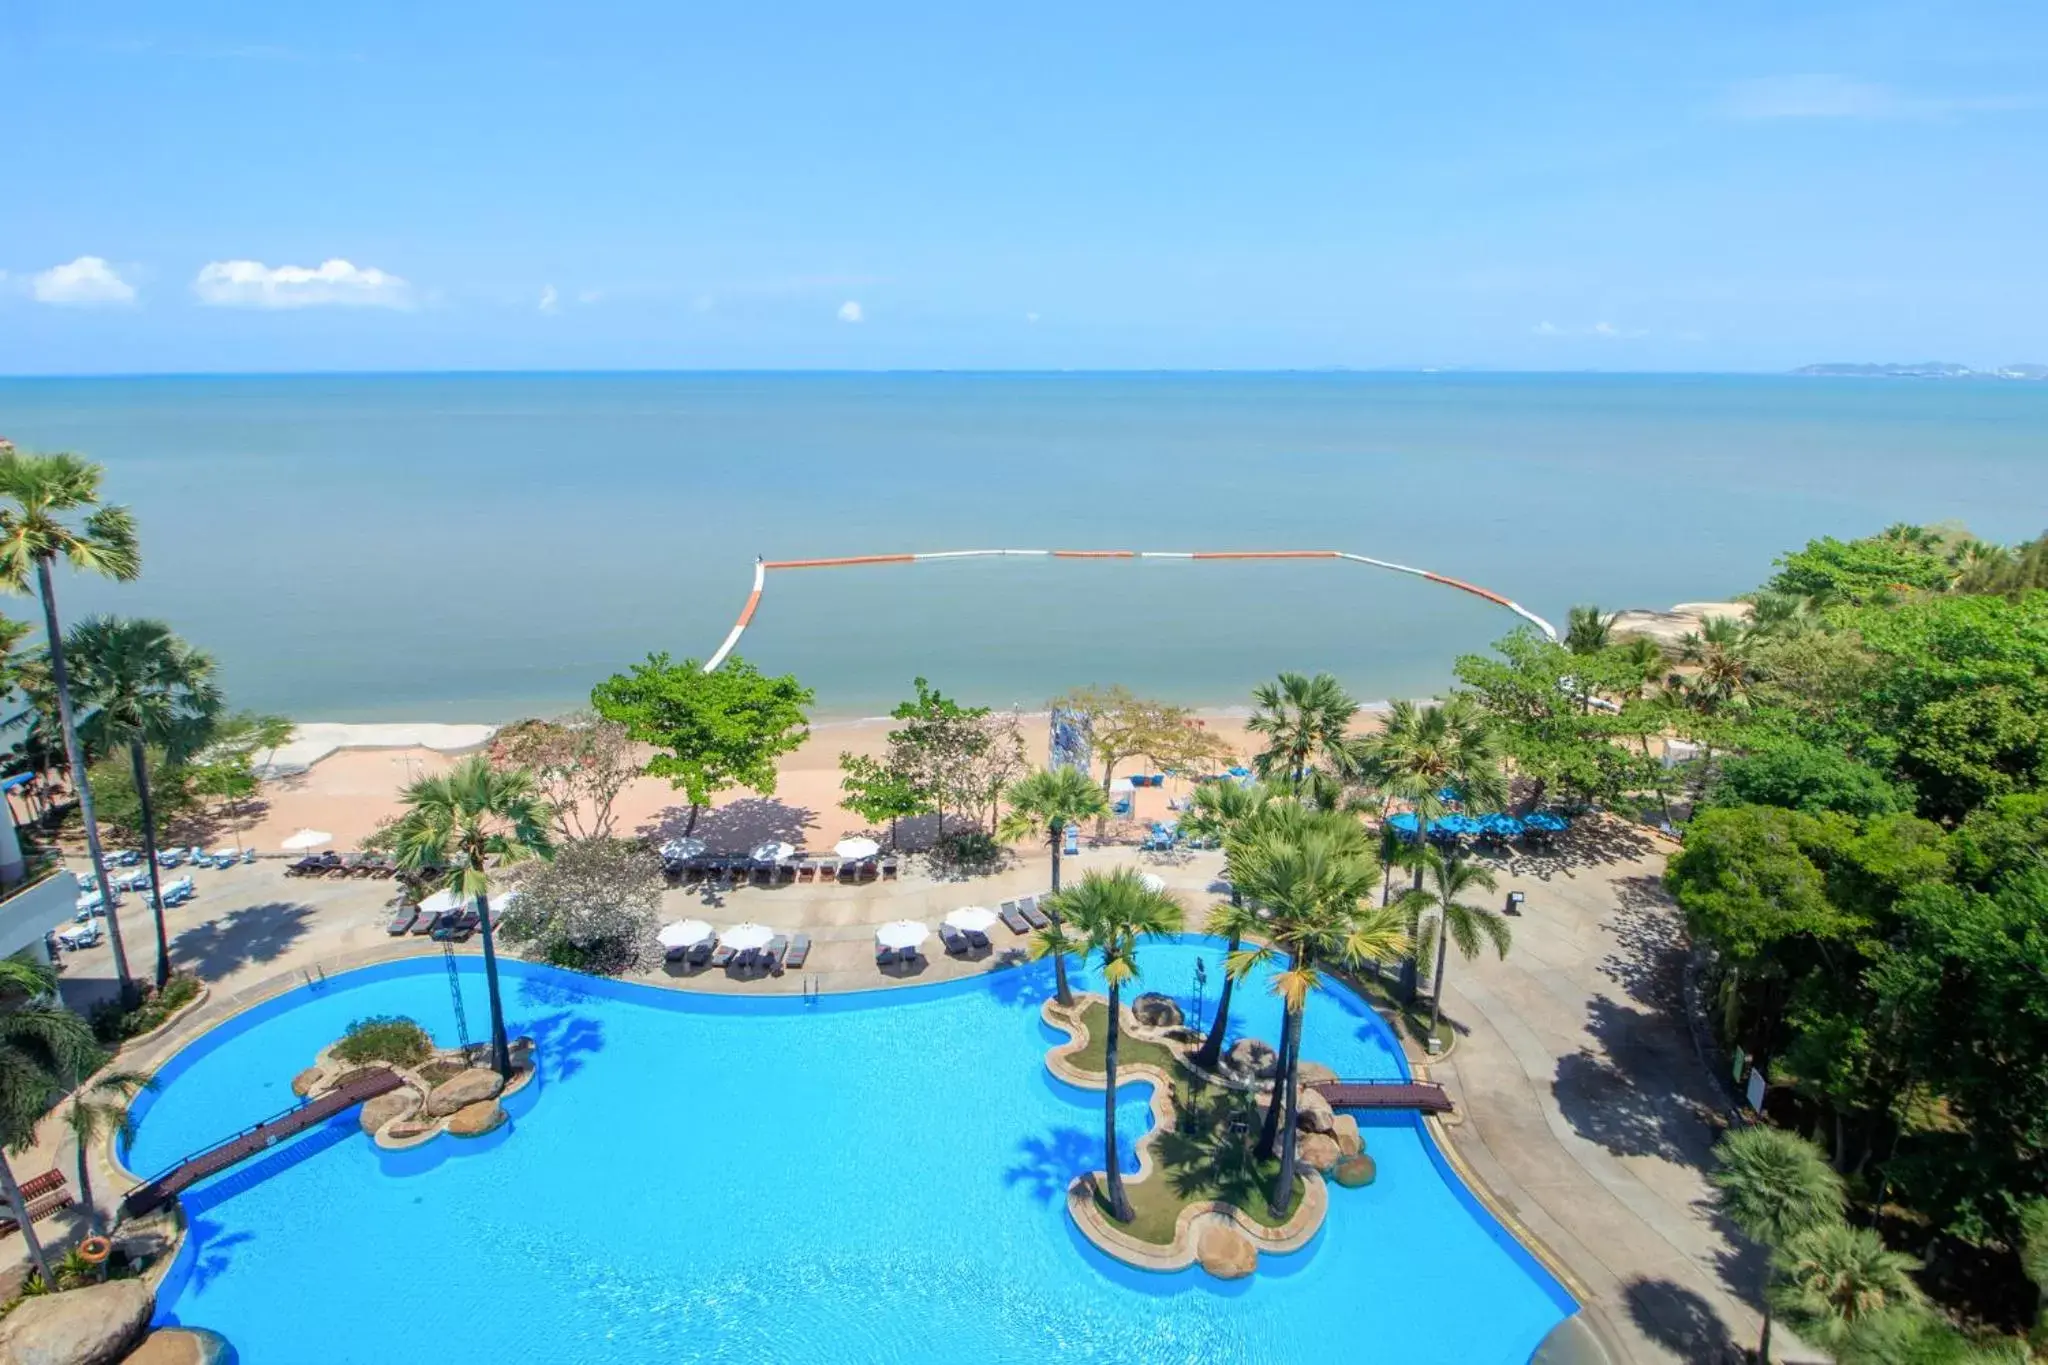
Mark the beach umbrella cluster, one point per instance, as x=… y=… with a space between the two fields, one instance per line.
x=1496 y=826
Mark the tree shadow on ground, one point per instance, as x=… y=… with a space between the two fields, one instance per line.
x=1209 y=1150
x=254 y=933
x=1632 y=1093
x=1681 y=1321
x=1592 y=841
x=1049 y=1163
x=1649 y=957
x=736 y=828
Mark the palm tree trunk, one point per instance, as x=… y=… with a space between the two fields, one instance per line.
x=1059 y=833
x=19 y=1206
x=1119 y=1202
x=92 y=1210
x=501 y=1049
x=139 y=761
x=1283 y=1183
x=1436 y=993
x=60 y=677
x=1763 y=1350
x=1211 y=1053
x=1269 y=1132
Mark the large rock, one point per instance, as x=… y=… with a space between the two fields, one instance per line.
x=1307 y=1072
x=1226 y=1252
x=1154 y=1010
x=474 y=1120
x=382 y=1109
x=1668 y=628
x=303 y=1084
x=1344 y=1128
x=145 y=1239
x=1317 y=1151
x=462 y=1089
x=1312 y=1113
x=181 y=1346
x=1250 y=1057
x=92 y=1326
x=1354 y=1171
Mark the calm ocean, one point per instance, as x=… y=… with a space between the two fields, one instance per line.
x=479 y=547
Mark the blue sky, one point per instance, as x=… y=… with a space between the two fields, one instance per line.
x=242 y=186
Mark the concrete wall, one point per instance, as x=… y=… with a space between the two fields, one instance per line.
x=29 y=914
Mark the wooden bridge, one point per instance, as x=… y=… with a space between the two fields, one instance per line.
x=353 y=1089
x=1427 y=1096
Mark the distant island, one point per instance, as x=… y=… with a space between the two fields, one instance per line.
x=1925 y=369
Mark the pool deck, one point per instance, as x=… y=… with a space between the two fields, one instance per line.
x=1582 y=1106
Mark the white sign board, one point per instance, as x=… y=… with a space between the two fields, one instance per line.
x=1756 y=1089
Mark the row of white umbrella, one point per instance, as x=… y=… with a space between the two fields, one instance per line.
x=688 y=933
x=774 y=851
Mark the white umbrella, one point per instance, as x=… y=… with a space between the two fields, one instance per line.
x=900 y=934
x=973 y=917
x=440 y=903
x=305 y=839
x=856 y=848
x=680 y=849
x=774 y=851
x=741 y=937
x=1153 y=882
x=684 y=933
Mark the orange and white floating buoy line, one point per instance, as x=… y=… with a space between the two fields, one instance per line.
x=762 y=566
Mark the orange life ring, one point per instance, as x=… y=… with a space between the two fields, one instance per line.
x=94 y=1250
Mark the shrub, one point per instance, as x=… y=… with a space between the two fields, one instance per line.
x=112 y=1024
x=594 y=908
x=384 y=1038
x=970 y=848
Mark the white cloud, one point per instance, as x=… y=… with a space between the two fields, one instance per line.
x=550 y=301
x=850 y=311
x=252 y=284
x=85 y=282
x=1824 y=96
x=1605 y=331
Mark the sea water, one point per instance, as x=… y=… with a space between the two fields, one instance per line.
x=478 y=547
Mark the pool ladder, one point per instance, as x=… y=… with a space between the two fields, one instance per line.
x=814 y=990
x=316 y=977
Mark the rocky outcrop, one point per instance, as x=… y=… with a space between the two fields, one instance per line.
x=1252 y=1058
x=1156 y=1011
x=145 y=1239
x=461 y=1090
x=307 y=1081
x=1317 y=1151
x=1226 y=1252
x=181 y=1346
x=1344 y=1128
x=92 y=1326
x=1313 y=1114
x=1307 y=1072
x=1667 y=628
x=1354 y=1171
x=474 y=1120
x=382 y=1109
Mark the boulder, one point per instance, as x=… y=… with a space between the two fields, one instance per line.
x=1226 y=1252
x=1344 y=1128
x=1250 y=1057
x=1317 y=1151
x=1307 y=1072
x=1354 y=1171
x=1156 y=1011
x=406 y=1130
x=12 y=1277
x=474 y=1120
x=382 y=1109
x=304 y=1083
x=91 y=1326
x=462 y=1089
x=181 y=1346
x=145 y=1239
x=1312 y=1113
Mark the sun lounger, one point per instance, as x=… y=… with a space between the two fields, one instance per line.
x=771 y=956
x=1013 y=919
x=807 y=872
x=1033 y=916
x=889 y=869
x=866 y=870
x=302 y=867
x=976 y=939
x=46 y=1183
x=402 y=922
x=426 y=924
x=799 y=951
x=955 y=941
x=723 y=956
x=38 y=1211
x=697 y=954
x=885 y=957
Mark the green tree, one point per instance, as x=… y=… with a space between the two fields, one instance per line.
x=1112 y=912
x=1122 y=726
x=40 y=1042
x=2034 y=1261
x=143 y=688
x=1452 y=920
x=1216 y=813
x=1724 y=660
x=1587 y=630
x=1776 y=1186
x=878 y=790
x=716 y=730
x=98 y=1110
x=1831 y=1276
x=1304 y=722
x=470 y=822
x=1046 y=804
x=1800 y=775
x=1874 y=569
x=38 y=493
x=1540 y=699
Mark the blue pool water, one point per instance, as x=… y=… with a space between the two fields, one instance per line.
x=875 y=1177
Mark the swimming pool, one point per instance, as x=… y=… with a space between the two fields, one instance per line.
x=872 y=1177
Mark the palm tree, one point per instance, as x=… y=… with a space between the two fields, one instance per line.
x=142 y=686
x=1776 y=1186
x=1726 y=663
x=1234 y=921
x=1914 y=1335
x=1453 y=920
x=96 y=1111
x=1111 y=912
x=1831 y=1276
x=1587 y=630
x=1304 y=720
x=1050 y=802
x=40 y=1041
x=35 y=493
x=1056 y=940
x=471 y=821
x=1215 y=814
x=1311 y=873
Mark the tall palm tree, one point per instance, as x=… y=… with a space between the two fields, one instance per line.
x=141 y=686
x=1831 y=1276
x=36 y=493
x=1215 y=814
x=1587 y=630
x=98 y=1110
x=40 y=1041
x=1776 y=1186
x=1111 y=912
x=1056 y=941
x=471 y=821
x=1721 y=651
x=1452 y=920
x=1232 y=921
x=1049 y=802
x=1312 y=873
x=1303 y=720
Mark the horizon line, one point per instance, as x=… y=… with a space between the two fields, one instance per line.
x=926 y=370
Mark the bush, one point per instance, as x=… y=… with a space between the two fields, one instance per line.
x=970 y=848
x=594 y=908
x=384 y=1038
x=112 y=1024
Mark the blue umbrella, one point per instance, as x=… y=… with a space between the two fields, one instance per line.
x=1501 y=827
x=1451 y=794
x=1454 y=825
x=1402 y=824
x=1547 y=822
